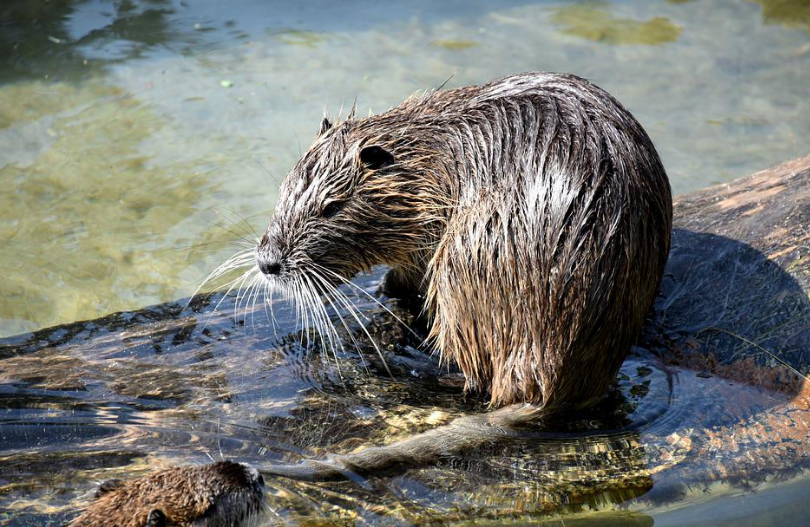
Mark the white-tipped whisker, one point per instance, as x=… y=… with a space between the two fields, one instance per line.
x=353 y=313
x=240 y=259
x=323 y=324
x=360 y=289
x=233 y=283
x=332 y=292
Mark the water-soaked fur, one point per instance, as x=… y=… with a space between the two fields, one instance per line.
x=533 y=213
x=223 y=494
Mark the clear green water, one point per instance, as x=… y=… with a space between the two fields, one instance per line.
x=132 y=134
x=135 y=136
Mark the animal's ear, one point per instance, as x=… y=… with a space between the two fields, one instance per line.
x=156 y=518
x=375 y=157
x=325 y=126
x=108 y=486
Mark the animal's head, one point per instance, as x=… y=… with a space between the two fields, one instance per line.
x=351 y=202
x=231 y=494
x=223 y=493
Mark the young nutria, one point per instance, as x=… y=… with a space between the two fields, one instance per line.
x=533 y=213
x=222 y=494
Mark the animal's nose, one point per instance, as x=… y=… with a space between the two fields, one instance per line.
x=268 y=266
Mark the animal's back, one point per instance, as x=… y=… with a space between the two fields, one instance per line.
x=557 y=241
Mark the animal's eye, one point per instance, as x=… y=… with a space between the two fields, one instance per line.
x=332 y=208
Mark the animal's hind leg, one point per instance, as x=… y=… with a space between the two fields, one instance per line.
x=480 y=292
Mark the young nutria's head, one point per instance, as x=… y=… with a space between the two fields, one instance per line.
x=216 y=495
x=351 y=202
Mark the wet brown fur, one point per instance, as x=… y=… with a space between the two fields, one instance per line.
x=220 y=494
x=533 y=213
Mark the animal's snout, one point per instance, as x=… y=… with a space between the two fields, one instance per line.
x=269 y=266
x=268 y=258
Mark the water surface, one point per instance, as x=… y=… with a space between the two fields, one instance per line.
x=139 y=139
x=132 y=134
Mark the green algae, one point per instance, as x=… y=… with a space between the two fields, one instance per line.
x=86 y=205
x=592 y=20
x=455 y=45
x=788 y=13
x=301 y=38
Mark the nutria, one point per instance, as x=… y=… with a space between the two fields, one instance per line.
x=532 y=213
x=217 y=495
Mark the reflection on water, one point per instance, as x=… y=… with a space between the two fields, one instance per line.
x=134 y=136
x=106 y=407
x=69 y=39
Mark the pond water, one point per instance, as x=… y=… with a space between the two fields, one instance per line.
x=120 y=396
x=139 y=140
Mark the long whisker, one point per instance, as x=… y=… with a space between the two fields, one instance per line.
x=268 y=291
x=304 y=315
x=353 y=312
x=315 y=308
x=313 y=331
x=310 y=316
x=323 y=317
x=325 y=326
x=231 y=285
x=366 y=293
x=255 y=295
x=236 y=261
x=269 y=173
x=249 y=225
x=323 y=286
x=200 y=245
x=339 y=297
x=230 y=231
x=241 y=294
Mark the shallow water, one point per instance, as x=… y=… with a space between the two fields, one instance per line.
x=119 y=396
x=134 y=135
x=139 y=139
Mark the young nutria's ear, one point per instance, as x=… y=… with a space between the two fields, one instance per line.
x=325 y=126
x=375 y=157
x=156 y=518
x=108 y=486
